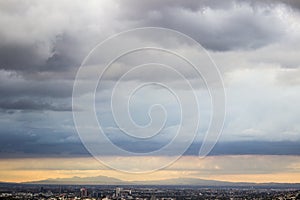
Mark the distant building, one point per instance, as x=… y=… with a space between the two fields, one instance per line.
x=118 y=191
x=83 y=192
x=96 y=194
x=153 y=197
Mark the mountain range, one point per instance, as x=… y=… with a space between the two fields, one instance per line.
x=104 y=180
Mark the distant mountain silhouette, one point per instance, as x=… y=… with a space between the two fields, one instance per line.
x=104 y=180
x=186 y=181
x=97 y=180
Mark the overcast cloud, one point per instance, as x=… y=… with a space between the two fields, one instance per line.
x=254 y=43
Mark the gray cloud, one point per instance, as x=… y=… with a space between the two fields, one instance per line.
x=294 y=4
x=18 y=145
x=63 y=43
x=33 y=41
x=215 y=25
x=26 y=104
x=12 y=86
x=42 y=43
x=20 y=57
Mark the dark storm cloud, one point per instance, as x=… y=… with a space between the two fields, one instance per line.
x=18 y=145
x=64 y=55
x=216 y=25
x=20 y=57
x=156 y=5
x=45 y=37
x=225 y=148
x=69 y=50
x=257 y=148
x=40 y=143
x=62 y=48
x=18 y=93
x=292 y=3
x=295 y=4
x=15 y=88
x=26 y=104
x=196 y=5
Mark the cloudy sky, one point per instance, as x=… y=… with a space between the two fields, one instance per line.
x=253 y=43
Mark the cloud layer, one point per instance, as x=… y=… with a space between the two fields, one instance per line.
x=254 y=43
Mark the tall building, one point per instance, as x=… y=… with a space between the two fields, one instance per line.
x=83 y=192
x=118 y=191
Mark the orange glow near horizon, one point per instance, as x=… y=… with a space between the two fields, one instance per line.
x=281 y=169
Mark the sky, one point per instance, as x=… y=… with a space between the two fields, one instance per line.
x=253 y=44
